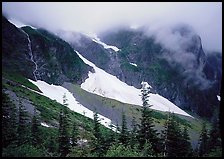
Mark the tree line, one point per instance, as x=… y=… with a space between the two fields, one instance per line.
x=142 y=140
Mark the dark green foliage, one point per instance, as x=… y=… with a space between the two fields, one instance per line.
x=134 y=134
x=98 y=143
x=23 y=125
x=124 y=135
x=214 y=136
x=19 y=79
x=187 y=150
x=52 y=145
x=172 y=138
x=75 y=133
x=147 y=150
x=9 y=121
x=60 y=60
x=64 y=137
x=81 y=151
x=119 y=150
x=147 y=133
x=24 y=150
x=110 y=137
x=203 y=141
x=35 y=131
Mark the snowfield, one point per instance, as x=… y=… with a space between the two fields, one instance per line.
x=97 y=40
x=56 y=93
x=106 y=85
x=134 y=64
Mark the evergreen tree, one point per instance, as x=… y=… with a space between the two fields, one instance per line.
x=203 y=141
x=23 y=125
x=98 y=141
x=35 y=132
x=187 y=150
x=110 y=137
x=124 y=135
x=172 y=138
x=9 y=121
x=117 y=133
x=75 y=134
x=64 y=137
x=214 y=135
x=133 y=139
x=52 y=145
x=147 y=150
x=147 y=133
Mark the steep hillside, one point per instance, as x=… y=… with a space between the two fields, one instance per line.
x=176 y=75
x=49 y=109
x=47 y=56
x=48 y=115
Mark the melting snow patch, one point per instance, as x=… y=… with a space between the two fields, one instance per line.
x=219 y=98
x=44 y=124
x=107 y=85
x=134 y=64
x=97 y=40
x=56 y=93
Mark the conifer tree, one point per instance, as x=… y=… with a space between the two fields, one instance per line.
x=147 y=133
x=35 y=132
x=172 y=138
x=187 y=150
x=52 y=145
x=9 y=121
x=23 y=125
x=98 y=141
x=133 y=136
x=214 y=135
x=64 y=137
x=124 y=135
x=75 y=134
x=111 y=138
x=203 y=141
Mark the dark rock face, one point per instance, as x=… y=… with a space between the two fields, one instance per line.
x=15 y=52
x=188 y=78
x=53 y=60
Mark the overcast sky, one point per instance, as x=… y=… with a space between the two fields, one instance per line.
x=93 y=17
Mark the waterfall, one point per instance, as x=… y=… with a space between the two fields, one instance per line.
x=31 y=54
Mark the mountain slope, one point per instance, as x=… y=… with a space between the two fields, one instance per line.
x=106 y=85
x=48 y=57
x=175 y=74
x=56 y=93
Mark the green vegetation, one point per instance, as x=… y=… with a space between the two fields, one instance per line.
x=57 y=55
x=127 y=66
x=42 y=141
x=19 y=79
x=159 y=70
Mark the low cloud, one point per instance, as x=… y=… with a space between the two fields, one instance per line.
x=93 y=17
x=182 y=49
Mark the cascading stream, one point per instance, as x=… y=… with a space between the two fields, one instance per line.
x=31 y=55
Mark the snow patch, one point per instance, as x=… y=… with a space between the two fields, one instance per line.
x=19 y=24
x=134 y=64
x=97 y=40
x=107 y=85
x=45 y=125
x=219 y=98
x=56 y=93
